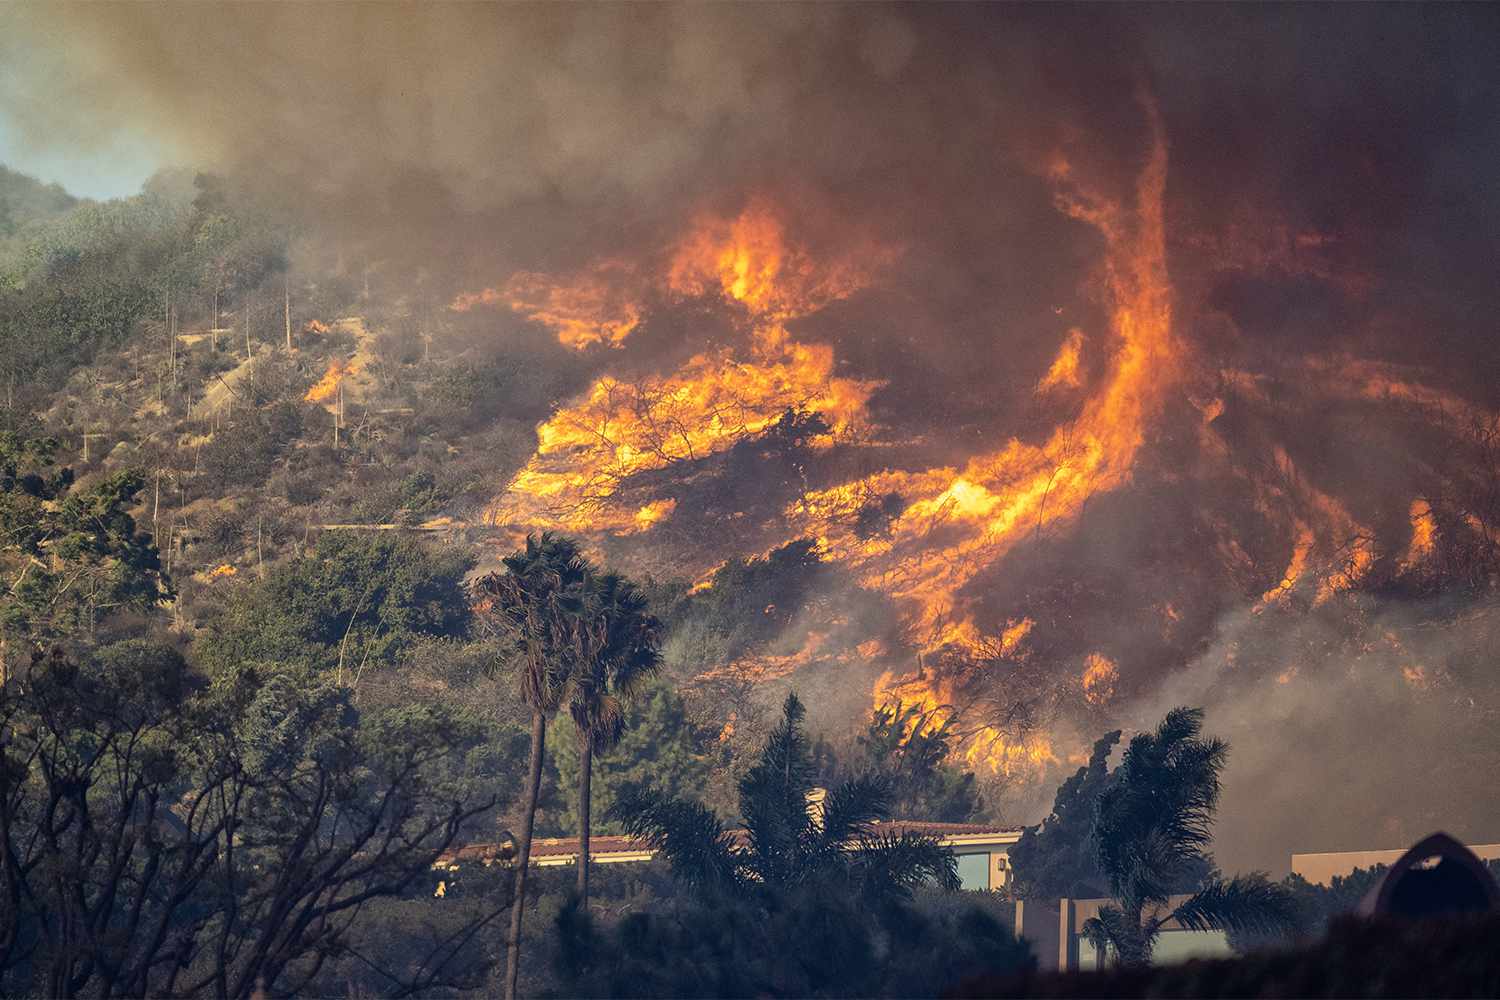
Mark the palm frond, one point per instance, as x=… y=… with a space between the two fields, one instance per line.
x=619 y=648
x=687 y=834
x=1108 y=929
x=1153 y=863
x=1244 y=903
x=894 y=864
x=851 y=808
x=1153 y=820
x=599 y=719
x=534 y=609
x=773 y=798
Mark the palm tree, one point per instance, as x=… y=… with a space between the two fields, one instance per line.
x=537 y=608
x=786 y=845
x=623 y=642
x=1151 y=834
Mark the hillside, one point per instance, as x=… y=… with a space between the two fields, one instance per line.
x=25 y=201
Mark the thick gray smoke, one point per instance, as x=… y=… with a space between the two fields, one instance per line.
x=1370 y=734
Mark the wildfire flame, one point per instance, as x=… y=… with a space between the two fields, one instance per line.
x=941 y=527
x=1065 y=373
x=1001 y=752
x=958 y=522
x=1321 y=523
x=595 y=306
x=1100 y=674
x=1423 y=531
x=619 y=429
x=328 y=386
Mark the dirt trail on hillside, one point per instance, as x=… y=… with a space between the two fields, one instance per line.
x=223 y=389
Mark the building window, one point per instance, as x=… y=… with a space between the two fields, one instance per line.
x=974 y=871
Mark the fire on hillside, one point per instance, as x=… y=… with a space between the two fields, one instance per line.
x=1127 y=413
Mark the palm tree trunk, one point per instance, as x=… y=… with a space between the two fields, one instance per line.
x=585 y=783
x=1136 y=953
x=523 y=855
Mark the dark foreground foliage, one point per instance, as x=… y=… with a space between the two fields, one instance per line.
x=811 y=903
x=168 y=833
x=1357 y=958
x=793 y=943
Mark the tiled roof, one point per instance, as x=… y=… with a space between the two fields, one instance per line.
x=563 y=847
x=942 y=829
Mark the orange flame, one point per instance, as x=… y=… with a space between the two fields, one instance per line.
x=1300 y=550
x=619 y=429
x=748 y=260
x=1423 y=532
x=1344 y=548
x=327 y=386
x=957 y=522
x=1001 y=752
x=595 y=306
x=1099 y=677
x=1064 y=373
x=315 y=326
x=656 y=510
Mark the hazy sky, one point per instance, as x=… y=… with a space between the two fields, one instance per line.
x=114 y=170
x=39 y=68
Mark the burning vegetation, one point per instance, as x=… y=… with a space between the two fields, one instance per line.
x=1022 y=366
x=772 y=425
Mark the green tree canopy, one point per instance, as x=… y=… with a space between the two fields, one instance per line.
x=169 y=834
x=70 y=556
x=354 y=602
x=1056 y=858
x=902 y=746
x=804 y=902
x=786 y=843
x=658 y=744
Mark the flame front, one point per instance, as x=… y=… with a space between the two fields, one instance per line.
x=929 y=535
x=598 y=305
x=328 y=386
x=622 y=428
x=957 y=522
x=1008 y=753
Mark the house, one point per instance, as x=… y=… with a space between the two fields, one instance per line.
x=1054 y=929
x=982 y=850
x=1320 y=869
